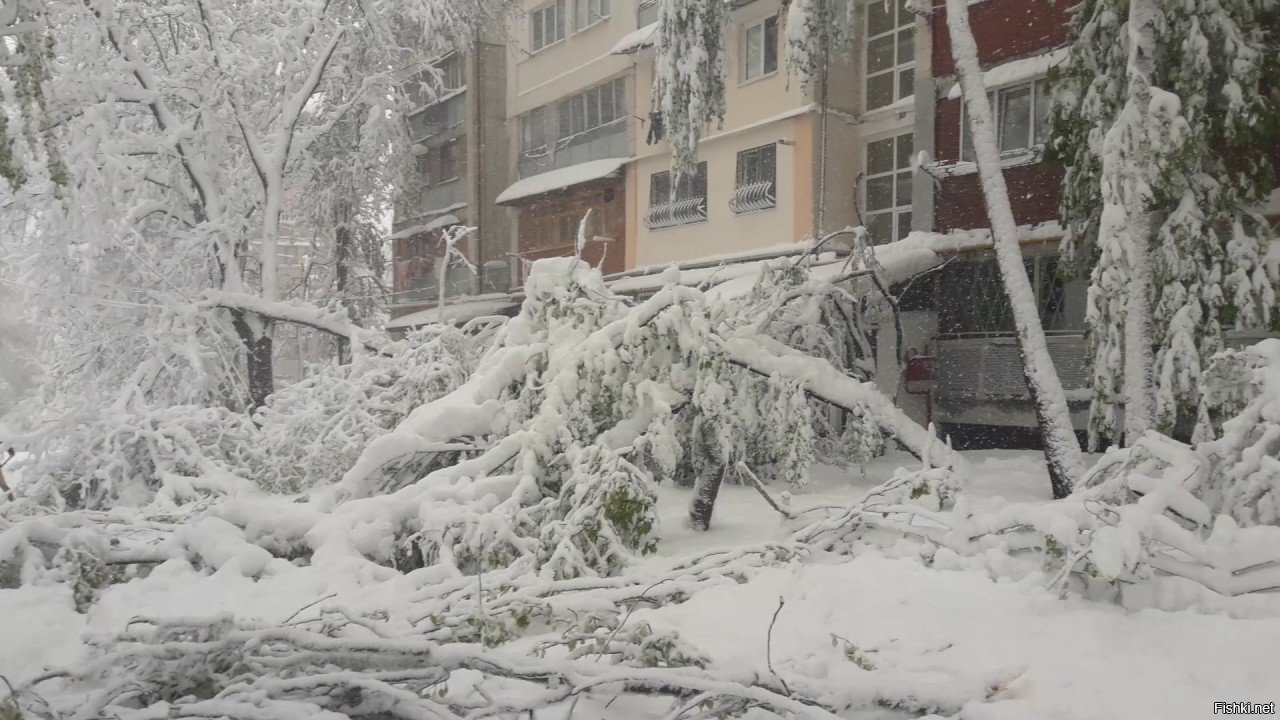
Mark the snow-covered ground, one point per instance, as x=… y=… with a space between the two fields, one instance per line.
x=881 y=624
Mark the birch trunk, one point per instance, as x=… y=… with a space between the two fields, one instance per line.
x=1061 y=446
x=1139 y=406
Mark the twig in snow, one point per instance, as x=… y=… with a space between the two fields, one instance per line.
x=310 y=604
x=627 y=617
x=768 y=647
x=745 y=471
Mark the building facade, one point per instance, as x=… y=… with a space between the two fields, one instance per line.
x=458 y=131
x=981 y=393
x=573 y=123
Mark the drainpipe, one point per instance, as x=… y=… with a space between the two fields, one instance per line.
x=819 y=215
x=477 y=147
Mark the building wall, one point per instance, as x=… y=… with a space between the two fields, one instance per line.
x=1033 y=191
x=1004 y=29
x=474 y=117
x=772 y=109
x=488 y=152
x=607 y=202
x=541 y=79
x=581 y=60
x=980 y=374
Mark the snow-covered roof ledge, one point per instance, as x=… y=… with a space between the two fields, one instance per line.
x=442 y=221
x=456 y=310
x=554 y=180
x=636 y=40
x=958 y=241
x=1016 y=71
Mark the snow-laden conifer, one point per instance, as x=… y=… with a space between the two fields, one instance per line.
x=1192 y=158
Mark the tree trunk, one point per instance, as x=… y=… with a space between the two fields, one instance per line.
x=1061 y=446
x=254 y=332
x=341 y=274
x=705 y=491
x=1139 y=405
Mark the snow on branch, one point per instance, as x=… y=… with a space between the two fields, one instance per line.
x=299 y=312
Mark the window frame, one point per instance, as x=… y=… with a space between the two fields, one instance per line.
x=750 y=191
x=686 y=191
x=458 y=165
x=535 y=118
x=897 y=68
x=643 y=9
x=573 y=114
x=603 y=8
x=763 y=25
x=423 y=163
x=538 y=19
x=1039 y=93
x=451 y=64
x=899 y=206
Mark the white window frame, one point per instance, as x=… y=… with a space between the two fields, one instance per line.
x=898 y=67
x=759 y=192
x=1039 y=93
x=579 y=107
x=593 y=11
x=683 y=206
x=538 y=18
x=901 y=205
x=750 y=74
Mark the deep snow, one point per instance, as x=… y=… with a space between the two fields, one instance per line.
x=940 y=634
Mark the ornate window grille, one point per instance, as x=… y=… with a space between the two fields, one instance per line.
x=677 y=212
x=752 y=197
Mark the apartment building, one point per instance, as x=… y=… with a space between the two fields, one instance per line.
x=460 y=149
x=571 y=114
x=980 y=391
x=758 y=180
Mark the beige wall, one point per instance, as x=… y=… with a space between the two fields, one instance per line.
x=771 y=109
x=723 y=231
x=580 y=61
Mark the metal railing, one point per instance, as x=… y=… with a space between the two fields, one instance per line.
x=676 y=212
x=753 y=197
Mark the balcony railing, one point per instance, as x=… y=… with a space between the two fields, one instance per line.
x=676 y=212
x=989 y=366
x=753 y=197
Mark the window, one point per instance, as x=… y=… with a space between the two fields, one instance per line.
x=547 y=25
x=1021 y=118
x=888 y=190
x=424 y=168
x=452 y=161
x=972 y=299
x=685 y=203
x=599 y=106
x=646 y=13
x=533 y=131
x=890 y=53
x=761 y=56
x=753 y=187
x=589 y=12
x=450 y=77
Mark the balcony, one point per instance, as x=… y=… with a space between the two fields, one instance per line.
x=675 y=213
x=989 y=366
x=753 y=197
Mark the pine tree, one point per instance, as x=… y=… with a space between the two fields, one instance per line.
x=1192 y=158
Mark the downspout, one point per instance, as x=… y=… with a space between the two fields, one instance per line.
x=477 y=148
